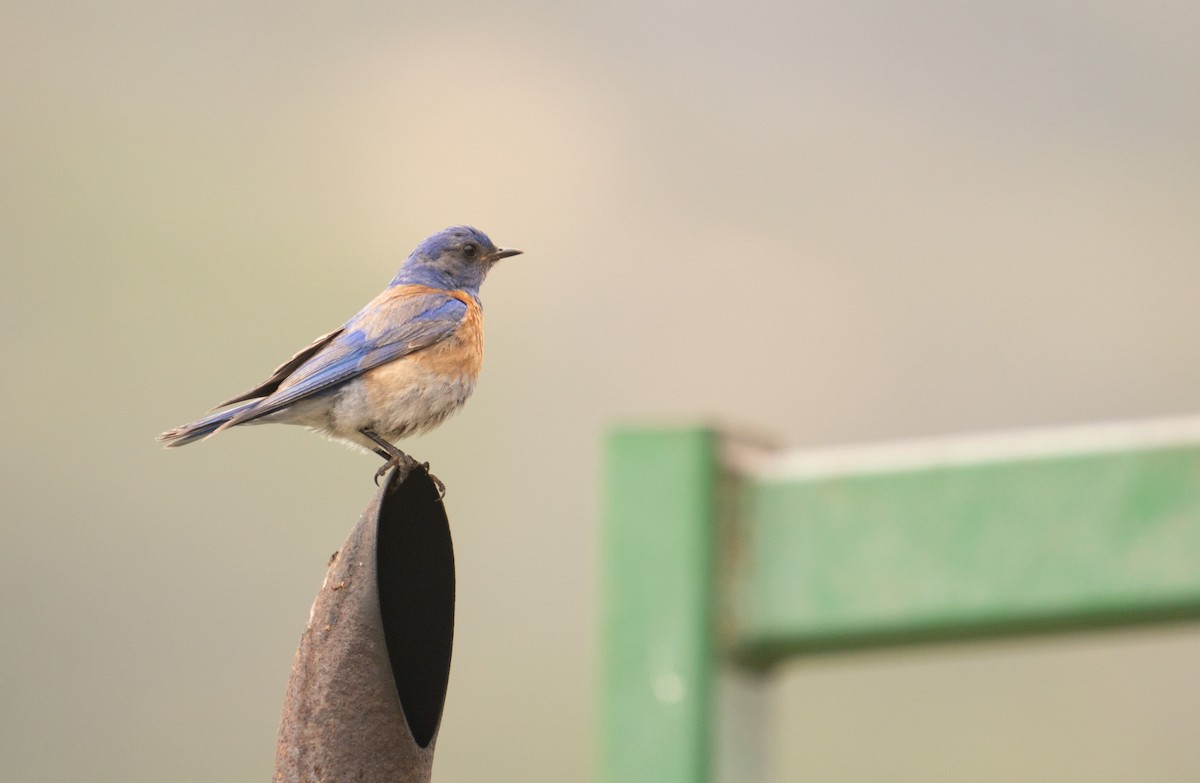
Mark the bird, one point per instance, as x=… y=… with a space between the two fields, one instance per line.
x=400 y=366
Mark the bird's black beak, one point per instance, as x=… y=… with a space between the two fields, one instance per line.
x=503 y=252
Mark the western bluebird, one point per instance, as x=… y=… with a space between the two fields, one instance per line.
x=400 y=366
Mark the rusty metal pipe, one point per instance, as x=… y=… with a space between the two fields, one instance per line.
x=368 y=683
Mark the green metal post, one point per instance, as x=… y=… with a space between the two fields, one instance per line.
x=658 y=645
x=959 y=538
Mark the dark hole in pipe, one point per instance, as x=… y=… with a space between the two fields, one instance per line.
x=415 y=567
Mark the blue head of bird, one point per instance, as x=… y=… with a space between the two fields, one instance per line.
x=454 y=258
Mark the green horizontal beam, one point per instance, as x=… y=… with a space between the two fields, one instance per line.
x=958 y=551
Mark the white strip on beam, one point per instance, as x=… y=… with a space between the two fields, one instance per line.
x=971 y=449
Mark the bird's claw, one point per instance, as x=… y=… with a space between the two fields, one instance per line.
x=437 y=483
x=402 y=463
x=404 y=466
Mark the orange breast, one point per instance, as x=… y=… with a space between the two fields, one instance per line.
x=462 y=352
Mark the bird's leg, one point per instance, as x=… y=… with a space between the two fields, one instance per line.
x=393 y=457
x=402 y=462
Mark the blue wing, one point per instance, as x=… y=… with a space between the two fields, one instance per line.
x=397 y=323
x=284 y=371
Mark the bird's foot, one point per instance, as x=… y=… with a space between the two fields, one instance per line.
x=404 y=465
x=395 y=458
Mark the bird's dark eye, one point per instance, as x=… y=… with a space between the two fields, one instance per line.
x=469 y=250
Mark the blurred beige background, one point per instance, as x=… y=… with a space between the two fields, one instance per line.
x=828 y=221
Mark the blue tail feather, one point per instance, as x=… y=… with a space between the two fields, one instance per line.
x=198 y=430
